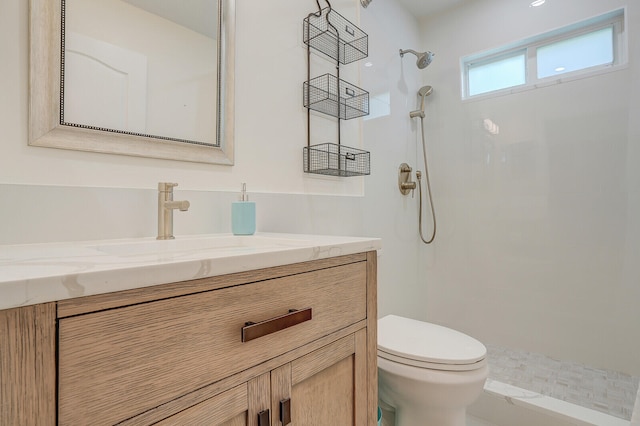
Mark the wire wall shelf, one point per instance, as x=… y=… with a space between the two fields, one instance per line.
x=335 y=97
x=329 y=33
x=336 y=160
x=333 y=35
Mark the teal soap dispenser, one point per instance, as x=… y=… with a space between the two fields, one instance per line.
x=243 y=214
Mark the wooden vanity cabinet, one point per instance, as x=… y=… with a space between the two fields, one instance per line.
x=239 y=406
x=174 y=354
x=28 y=365
x=325 y=387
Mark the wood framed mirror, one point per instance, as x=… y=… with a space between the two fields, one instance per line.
x=80 y=68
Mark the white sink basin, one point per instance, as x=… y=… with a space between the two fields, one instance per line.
x=222 y=243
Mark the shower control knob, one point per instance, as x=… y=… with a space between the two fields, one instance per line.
x=404 y=180
x=408 y=186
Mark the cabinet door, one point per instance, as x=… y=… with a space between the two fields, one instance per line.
x=28 y=365
x=239 y=406
x=327 y=387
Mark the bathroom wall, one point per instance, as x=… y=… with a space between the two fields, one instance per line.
x=59 y=195
x=270 y=126
x=539 y=225
x=389 y=133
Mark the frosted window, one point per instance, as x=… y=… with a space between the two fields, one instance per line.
x=495 y=75
x=591 y=47
x=577 y=53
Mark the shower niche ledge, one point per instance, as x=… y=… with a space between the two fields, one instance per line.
x=332 y=35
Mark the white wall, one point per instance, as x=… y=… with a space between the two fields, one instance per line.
x=52 y=195
x=391 y=139
x=539 y=226
x=270 y=118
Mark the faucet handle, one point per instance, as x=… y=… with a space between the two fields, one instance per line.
x=166 y=186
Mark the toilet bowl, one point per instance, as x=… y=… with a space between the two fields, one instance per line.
x=428 y=373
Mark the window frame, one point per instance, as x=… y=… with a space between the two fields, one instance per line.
x=496 y=57
x=615 y=19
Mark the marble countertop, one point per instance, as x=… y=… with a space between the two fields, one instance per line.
x=38 y=273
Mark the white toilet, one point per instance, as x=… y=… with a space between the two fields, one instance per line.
x=428 y=373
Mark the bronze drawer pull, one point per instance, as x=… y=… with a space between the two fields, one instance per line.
x=252 y=330
x=285 y=411
x=264 y=418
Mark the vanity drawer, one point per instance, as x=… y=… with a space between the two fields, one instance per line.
x=117 y=363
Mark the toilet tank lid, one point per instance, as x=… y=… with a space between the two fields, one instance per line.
x=423 y=341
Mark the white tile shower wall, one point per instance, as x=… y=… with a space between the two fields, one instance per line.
x=540 y=224
x=54 y=195
x=391 y=138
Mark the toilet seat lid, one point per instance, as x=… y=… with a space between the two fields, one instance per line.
x=418 y=342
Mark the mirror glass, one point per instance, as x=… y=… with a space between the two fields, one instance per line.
x=145 y=67
x=151 y=78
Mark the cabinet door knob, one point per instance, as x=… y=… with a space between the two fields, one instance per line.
x=263 y=418
x=285 y=411
x=253 y=330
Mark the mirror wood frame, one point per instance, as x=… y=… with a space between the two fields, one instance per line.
x=45 y=70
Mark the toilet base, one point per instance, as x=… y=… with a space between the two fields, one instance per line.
x=429 y=416
x=425 y=397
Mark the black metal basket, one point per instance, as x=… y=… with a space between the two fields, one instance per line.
x=333 y=35
x=335 y=97
x=336 y=160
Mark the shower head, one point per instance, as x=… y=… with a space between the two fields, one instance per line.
x=423 y=93
x=424 y=58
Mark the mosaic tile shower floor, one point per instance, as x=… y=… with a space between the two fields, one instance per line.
x=606 y=391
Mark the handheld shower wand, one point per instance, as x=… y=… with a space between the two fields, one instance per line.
x=424 y=58
x=423 y=93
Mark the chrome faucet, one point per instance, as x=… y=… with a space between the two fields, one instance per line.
x=166 y=206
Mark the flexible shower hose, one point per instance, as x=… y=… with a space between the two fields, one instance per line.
x=418 y=175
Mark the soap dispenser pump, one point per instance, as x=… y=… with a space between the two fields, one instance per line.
x=243 y=214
